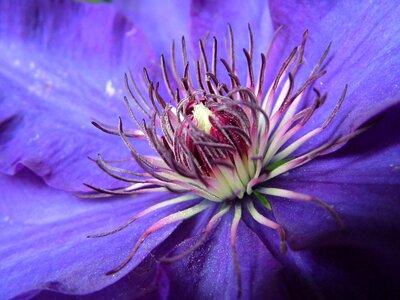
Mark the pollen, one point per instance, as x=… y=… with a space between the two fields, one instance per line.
x=202 y=115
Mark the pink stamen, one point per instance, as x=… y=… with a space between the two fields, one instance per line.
x=268 y=223
x=235 y=223
x=173 y=218
x=146 y=212
x=207 y=232
x=303 y=197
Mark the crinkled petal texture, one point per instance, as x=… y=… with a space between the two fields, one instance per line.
x=62 y=67
x=44 y=244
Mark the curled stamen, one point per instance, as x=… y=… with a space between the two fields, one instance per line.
x=107 y=129
x=117 y=192
x=268 y=223
x=108 y=169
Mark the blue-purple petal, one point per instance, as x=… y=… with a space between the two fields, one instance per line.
x=213 y=17
x=209 y=272
x=44 y=244
x=62 y=66
x=161 y=21
x=342 y=271
x=364 y=54
x=149 y=282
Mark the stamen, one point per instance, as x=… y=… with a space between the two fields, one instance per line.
x=165 y=76
x=137 y=90
x=210 y=226
x=214 y=56
x=204 y=56
x=198 y=76
x=261 y=78
x=234 y=227
x=251 y=41
x=250 y=69
x=295 y=145
x=118 y=192
x=267 y=104
x=107 y=168
x=303 y=197
x=173 y=218
x=119 y=170
x=143 y=163
x=174 y=66
x=107 y=129
x=276 y=33
x=301 y=53
x=131 y=114
x=232 y=49
x=267 y=223
x=305 y=158
x=138 y=104
x=148 y=210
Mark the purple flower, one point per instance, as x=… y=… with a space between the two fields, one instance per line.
x=62 y=66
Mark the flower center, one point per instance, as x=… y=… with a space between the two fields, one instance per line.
x=222 y=140
x=212 y=142
x=202 y=115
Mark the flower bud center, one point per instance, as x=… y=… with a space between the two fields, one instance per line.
x=202 y=115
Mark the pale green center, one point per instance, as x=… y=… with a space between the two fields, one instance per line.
x=201 y=114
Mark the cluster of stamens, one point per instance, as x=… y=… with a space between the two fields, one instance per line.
x=219 y=142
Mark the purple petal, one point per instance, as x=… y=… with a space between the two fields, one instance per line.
x=44 y=244
x=150 y=283
x=346 y=271
x=62 y=67
x=364 y=54
x=361 y=181
x=209 y=273
x=213 y=17
x=162 y=21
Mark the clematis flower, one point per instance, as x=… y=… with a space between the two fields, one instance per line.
x=271 y=173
